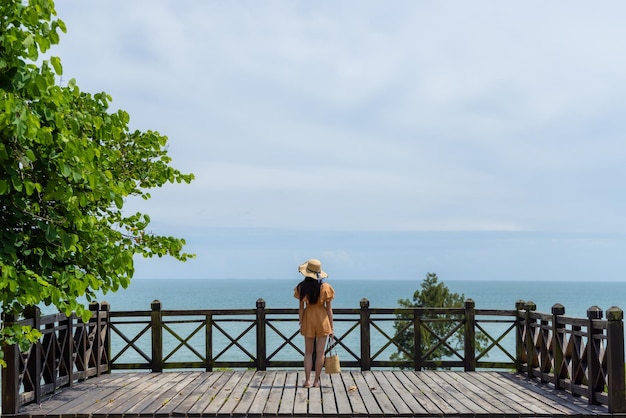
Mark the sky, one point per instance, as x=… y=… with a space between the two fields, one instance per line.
x=477 y=140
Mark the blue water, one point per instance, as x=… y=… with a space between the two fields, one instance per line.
x=577 y=297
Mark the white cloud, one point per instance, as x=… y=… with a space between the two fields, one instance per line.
x=369 y=116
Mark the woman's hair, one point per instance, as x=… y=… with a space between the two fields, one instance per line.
x=310 y=288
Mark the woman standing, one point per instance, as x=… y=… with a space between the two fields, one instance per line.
x=315 y=315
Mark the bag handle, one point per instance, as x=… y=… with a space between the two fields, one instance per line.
x=331 y=349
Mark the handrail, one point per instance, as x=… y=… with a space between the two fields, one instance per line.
x=69 y=350
x=583 y=356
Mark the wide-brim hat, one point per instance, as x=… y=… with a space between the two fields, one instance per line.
x=312 y=268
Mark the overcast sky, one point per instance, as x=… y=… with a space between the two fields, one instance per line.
x=389 y=139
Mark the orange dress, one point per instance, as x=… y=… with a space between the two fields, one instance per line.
x=315 y=321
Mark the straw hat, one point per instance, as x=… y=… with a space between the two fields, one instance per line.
x=312 y=268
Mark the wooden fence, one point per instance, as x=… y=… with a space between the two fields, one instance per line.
x=68 y=351
x=584 y=356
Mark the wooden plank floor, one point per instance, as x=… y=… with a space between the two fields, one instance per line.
x=389 y=393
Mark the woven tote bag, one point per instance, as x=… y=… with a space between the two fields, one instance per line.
x=331 y=361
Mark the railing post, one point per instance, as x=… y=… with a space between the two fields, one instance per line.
x=34 y=361
x=11 y=373
x=519 y=335
x=558 y=337
x=593 y=351
x=261 y=350
x=531 y=358
x=417 y=339
x=80 y=347
x=365 y=335
x=105 y=310
x=67 y=338
x=208 y=342
x=50 y=354
x=94 y=329
x=615 y=361
x=156 y=323
x=543 y=337
x=470 y=336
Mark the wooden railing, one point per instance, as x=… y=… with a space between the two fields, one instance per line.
x=68 y=351
x=258 y=337
x=582 y=356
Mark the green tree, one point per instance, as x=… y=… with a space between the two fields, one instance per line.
x=67 y=167
x=433 y=294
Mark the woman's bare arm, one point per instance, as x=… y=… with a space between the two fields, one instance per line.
x=329 y=310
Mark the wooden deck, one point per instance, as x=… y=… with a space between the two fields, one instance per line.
x=389 y=393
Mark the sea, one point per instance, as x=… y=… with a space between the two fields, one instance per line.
x=189 y=294
x=577 y=297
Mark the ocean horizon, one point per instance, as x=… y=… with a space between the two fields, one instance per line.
x=576 y=296
x=219 y=294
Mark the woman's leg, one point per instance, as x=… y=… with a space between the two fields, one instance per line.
x=308 y=360
x=319 y=358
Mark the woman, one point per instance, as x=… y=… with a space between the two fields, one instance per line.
x=315 y=315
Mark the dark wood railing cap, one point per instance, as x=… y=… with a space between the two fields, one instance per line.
x=614 y=314
x=530 y=306
x=519 y=305
x=32 y=312
x=469 y=303
x=365 y=303
x=594 y=312
x=558 y=309
x=260 y=303
x=7 y=318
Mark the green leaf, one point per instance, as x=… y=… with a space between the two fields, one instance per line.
x=66 y=170
x=30 y=187
x=66 y=240
x=30 y=154
x=56 y=64
x=29 y=41
x=50 y=232
x=17 y=184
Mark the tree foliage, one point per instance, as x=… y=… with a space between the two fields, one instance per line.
x=433 y=294
x=67 y=167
